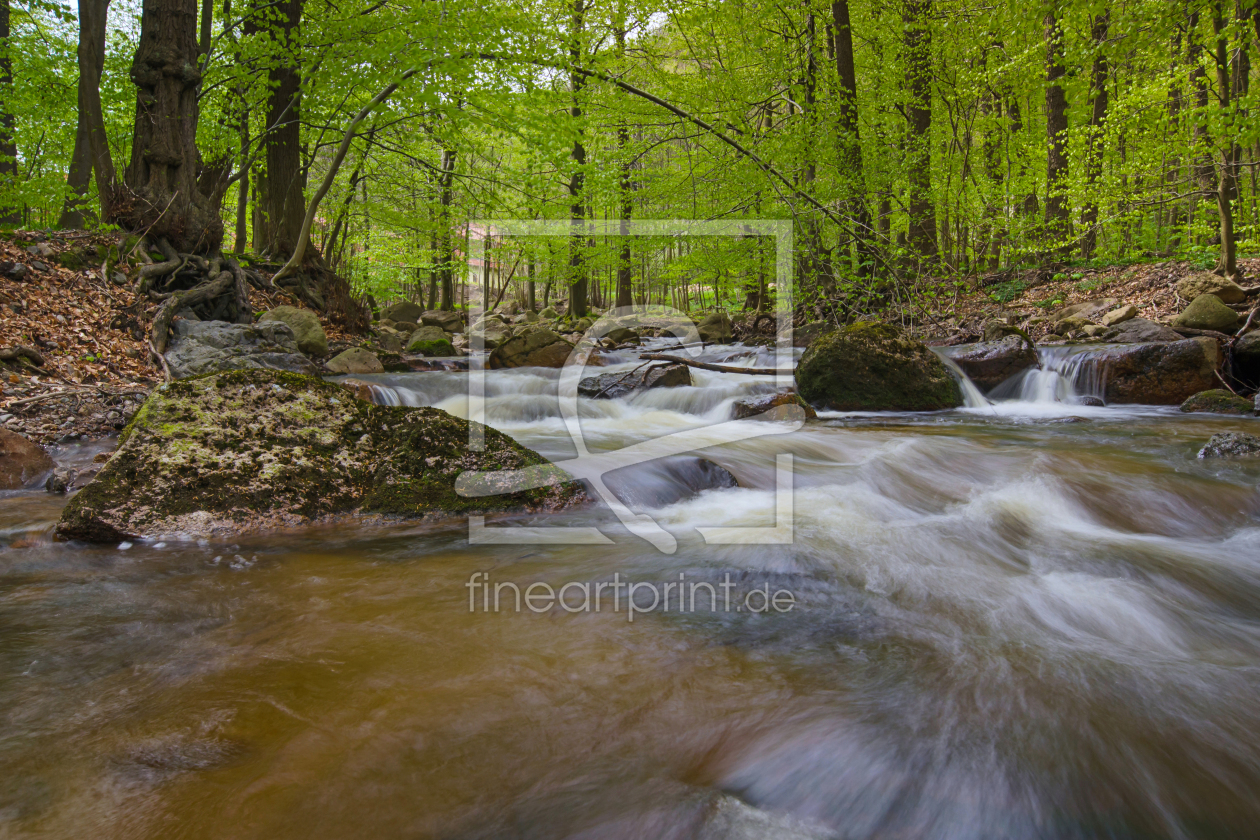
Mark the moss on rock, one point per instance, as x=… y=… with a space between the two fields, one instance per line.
x=1218 y=401
x=874 y=367
x=250 y=449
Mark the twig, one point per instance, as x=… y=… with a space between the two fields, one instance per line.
x=662 y=357
x=71 y=393
x=1223 y=382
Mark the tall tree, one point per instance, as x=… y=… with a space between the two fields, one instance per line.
x=89 y=133
x=917 y=44
x=283 y=197
x=1097 y=118
x=625 y=272
x=852 y=171
x=8 y=147
x=577 y=178
x=1057 y=219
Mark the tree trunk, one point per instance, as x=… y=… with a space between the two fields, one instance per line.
x=918 y=50
x=1093 y=163
x=1056 y=219
x=446 y=270
x=852 y=171
x=284 y=200
x=91 y=51
x=1227 y=183
x=161 y=194
x=625 y=292
x=577 y=203
x=8 y=147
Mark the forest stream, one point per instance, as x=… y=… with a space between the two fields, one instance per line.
x=1022 y=618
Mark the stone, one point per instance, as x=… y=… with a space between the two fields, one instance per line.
x=1207 y=312
x=526 y=317
x=1231 y=445
x=1090 y=310
x=1119 y=316
x=361 y=390
x=582 y=325
x=1093 y=330
x=13 y=270
x=60 y=481
x=990 y=363
x=452 y=322
x=431 y=341
x=403 y=310
x=806 y=334
x=405 y=327
x=1207 y=283
x=22 y=462
x=1140 y=331
x=996 y=330
x=783 y=406
x=198 y=347
x=1070 y=324
x=533 y=346
x=1218 y=401
x=355 y=360
x=549 y=314
x=612 y=386
x=715 y=328
x=307 y=330
x=248 y=450
x=1161 y=374
x=668 y=481
x=874 y=367
x=622 y=335
x=390 y=342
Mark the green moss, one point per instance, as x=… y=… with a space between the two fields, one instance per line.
x=874 y=367
x=72 y=260
x=432 y=347
x=1218 y=401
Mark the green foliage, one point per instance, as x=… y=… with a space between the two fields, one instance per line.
x=1007 y=291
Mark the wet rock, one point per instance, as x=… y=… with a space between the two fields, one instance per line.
x=668 y=481
x=355 y=360
x=431 y=341
x=778 y=406
x=874 y=367
x=1090 y=400
x=1207 y=312
x=404 y=310
x=532 y=346
x=1161 y=374
x=451 y=322
x=991 y=363
x=22 y=462
x=60 y=481
x=1207 y=283
x=1246 y=359
x=716 y=329
x=1231 y=445
x=252 y=449
x=198 y=347
x=1140 y=331
x=1218 y=401
x=612 y=386
x=362 y=390
x=1119 y=316
x=307 y=330
x=622 y=335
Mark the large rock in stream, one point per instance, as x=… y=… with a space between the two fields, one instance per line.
x=247 y=450
x=198 y=347
x=612 y=386
x=874 y=367
x=990 y=363
x=1161 y=374
x=534 y=346
x=21 y=461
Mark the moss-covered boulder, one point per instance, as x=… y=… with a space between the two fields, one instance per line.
x=1207 y=283
x=1218 y=401
x=532 y=346
x=252 y=449
x=1207 y=312
x=309 y=333
x=874 y=367
x=431 y=341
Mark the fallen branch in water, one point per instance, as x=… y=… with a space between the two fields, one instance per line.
x=679 y=360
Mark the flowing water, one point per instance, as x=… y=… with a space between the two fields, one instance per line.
x=1025 y=618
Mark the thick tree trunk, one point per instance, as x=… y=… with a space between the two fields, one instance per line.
x=161 y=193
x=918 y=51
x=89 y=133
x=284 y=202
x=1093 y=163
x=577 y=201
x=1057 y=219
x=8 y=146
x=446 y=270
x=852 y=170
x=1227 y=183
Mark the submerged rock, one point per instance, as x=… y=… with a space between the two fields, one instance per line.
x=612 y=386
x=309 y=333
x=532 y=346
x=1140 y=331
x=1218 y=401
x=1231 y=445
x=1161 y=374
x=1207 y=312
x=251 y=449
x=990 y=363
x=874 y=367
x=1207 y=283
x=21 y=461
x=198 y=347
x=780 y=406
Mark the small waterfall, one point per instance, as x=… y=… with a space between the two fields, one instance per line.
x=1069 y=375
x=972 y=396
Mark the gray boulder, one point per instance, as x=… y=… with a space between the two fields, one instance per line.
x=785 y=405
x=22 y=461
x=1207 y=312
x=1140 y=331
x=1231 y=445
x=1207 y=283
x=1161 y=374
x=716 y=328
x=990 y=363
x=355 y=360
x=309 y=333
x=198 y=347
x=1090 y=310
x=611 y=386
x=532 y=346
x=403 y=310
x=452 y=322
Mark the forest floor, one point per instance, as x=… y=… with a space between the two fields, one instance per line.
x=74 y=358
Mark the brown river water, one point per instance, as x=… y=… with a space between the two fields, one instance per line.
x=1031 y=619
